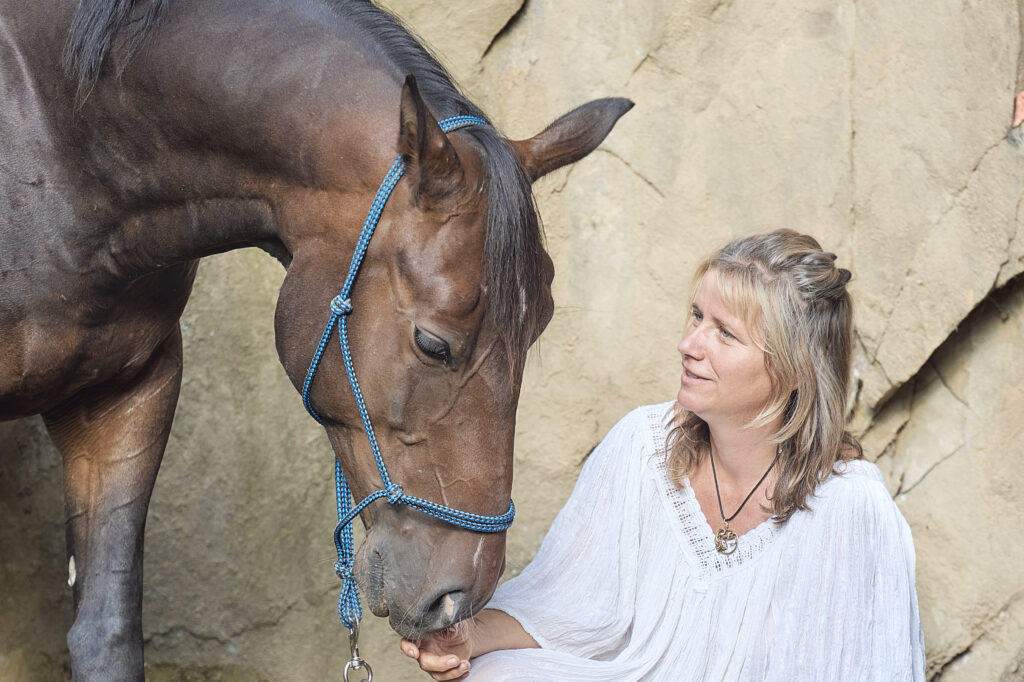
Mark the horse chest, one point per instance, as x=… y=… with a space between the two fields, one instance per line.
x=59 y=341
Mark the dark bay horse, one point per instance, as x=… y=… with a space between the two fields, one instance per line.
x=136 y=137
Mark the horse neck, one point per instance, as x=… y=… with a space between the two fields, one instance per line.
x=217 y=140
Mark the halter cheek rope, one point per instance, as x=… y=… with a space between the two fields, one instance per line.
x=349 y=609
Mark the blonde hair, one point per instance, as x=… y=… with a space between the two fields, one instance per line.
x=794 y=299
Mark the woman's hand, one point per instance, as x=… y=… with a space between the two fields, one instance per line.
x=444 y=655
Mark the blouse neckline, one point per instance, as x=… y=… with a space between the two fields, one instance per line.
x=698 y=538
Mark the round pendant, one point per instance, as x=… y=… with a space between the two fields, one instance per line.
x=725 y=540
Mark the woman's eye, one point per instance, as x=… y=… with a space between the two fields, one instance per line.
x=726 y=334
x=697 y=316
x=431 y=345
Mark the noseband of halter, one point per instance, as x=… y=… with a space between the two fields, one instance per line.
x=349 y=609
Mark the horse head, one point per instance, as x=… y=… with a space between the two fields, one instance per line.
x=454 y=288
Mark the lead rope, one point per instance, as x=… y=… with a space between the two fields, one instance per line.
x=349 y=609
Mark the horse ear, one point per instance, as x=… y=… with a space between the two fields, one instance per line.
x=430 y=158
x=571 y=137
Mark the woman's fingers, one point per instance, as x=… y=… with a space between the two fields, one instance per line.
x=410 y=649
x=443 y=666
x=439 y=663
x=456 y=673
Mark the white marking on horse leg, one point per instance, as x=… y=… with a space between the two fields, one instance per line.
x=72 y=573
x=479 y=548
x=449 y=606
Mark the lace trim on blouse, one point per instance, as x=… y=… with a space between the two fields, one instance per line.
x=698 y=538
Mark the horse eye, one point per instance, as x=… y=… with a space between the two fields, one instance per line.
x=431 y=345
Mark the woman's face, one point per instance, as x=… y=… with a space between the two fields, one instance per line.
x=724 y=378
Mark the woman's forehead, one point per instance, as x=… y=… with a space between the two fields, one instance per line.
x=733 y=297
x=725 y=291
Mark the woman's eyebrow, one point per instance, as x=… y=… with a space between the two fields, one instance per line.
x=733 y=329
x=717 y=320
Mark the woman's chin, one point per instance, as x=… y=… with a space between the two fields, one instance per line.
x=687 y=402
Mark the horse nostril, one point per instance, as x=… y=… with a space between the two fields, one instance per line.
x=434 y=613
x=449 y=608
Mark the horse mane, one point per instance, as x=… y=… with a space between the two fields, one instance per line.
x=95 y=27
x=513 y=248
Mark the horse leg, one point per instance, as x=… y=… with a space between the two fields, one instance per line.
x=112 y=441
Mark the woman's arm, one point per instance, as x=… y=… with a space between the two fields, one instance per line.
x=590 y=549
x=446 y=655
x=850 y=611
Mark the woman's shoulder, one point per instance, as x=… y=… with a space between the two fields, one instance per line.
x=631 y=441
x=640 y=433
x=852 y=476
x=853 y=521
x=856 y=490
x=652 y=421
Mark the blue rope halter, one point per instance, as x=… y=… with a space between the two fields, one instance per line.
x=349 y=609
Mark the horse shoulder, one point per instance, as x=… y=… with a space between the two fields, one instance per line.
x=61 y=334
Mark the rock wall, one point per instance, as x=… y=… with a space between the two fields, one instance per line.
x=879 y=127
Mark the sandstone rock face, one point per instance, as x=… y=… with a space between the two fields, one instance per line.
x=878 y=127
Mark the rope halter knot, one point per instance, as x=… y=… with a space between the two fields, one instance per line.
x=340 y=305
x=394 y=493
x=343 y=569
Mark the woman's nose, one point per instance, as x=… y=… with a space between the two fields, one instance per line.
x=691 y=343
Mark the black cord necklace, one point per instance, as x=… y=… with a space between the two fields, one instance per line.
x=725 y=538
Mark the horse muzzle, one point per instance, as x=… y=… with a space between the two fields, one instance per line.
x=425 y=576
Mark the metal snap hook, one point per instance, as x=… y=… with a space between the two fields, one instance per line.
x=357 y=663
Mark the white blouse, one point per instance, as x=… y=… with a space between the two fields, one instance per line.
x=627 y=584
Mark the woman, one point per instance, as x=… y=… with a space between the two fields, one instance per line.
x=735 y=535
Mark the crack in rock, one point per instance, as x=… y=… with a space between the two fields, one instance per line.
x=929 y=470
x=890 y=445
x=956 y=199
x=931 y=363
x=1011 y=242
x=1012 y=673
x=182 y=630
x=635 y=171
x=888 y=317
x=970 y=176
x=252 y=626
x=507 y=28
x=565 y=180
x=996 y=288
x=956 y=657
x=851 y=95
x=648 y=57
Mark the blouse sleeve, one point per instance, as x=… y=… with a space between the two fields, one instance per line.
x=849 y=611
x=576 y=596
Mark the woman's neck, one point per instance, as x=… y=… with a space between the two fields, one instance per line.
x=742 y=455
